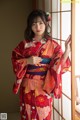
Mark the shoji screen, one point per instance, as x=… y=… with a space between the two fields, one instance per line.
x=61 y=29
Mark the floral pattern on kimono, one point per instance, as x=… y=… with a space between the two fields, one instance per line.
x=36 y=88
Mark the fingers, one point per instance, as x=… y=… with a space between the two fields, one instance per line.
x=68 y=42
x=36 y=60
x=68 y=39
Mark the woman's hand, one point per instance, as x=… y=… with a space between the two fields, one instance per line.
x=68 y=44
x=34 y=60
x=67 y=50
x=31 y=60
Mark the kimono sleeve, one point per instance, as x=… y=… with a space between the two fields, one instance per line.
x=18 y=68
x=53 y=80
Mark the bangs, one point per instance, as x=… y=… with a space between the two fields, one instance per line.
x=35 y=19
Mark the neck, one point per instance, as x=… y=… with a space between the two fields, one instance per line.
x=38 y=38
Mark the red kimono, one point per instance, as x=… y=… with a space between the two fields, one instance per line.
x=38 y=82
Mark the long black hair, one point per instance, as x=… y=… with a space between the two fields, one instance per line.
x=28 y=34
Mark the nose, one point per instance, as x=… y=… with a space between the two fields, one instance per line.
x=37 y=26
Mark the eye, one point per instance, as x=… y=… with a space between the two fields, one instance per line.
x=41 y=23
x=33 y=24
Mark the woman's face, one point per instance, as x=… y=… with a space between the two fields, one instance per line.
x=38 y=27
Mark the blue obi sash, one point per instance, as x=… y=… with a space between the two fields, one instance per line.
x=45 y=60
x=39 y=70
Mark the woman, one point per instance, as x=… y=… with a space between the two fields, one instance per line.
x=38 y=62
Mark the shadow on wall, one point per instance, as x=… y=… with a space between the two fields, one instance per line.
x=13 y=16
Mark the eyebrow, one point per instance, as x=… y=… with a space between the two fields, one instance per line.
x=37 y=21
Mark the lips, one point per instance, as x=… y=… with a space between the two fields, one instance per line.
x=38 y=30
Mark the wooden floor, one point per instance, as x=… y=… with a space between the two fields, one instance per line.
x=13 y=116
